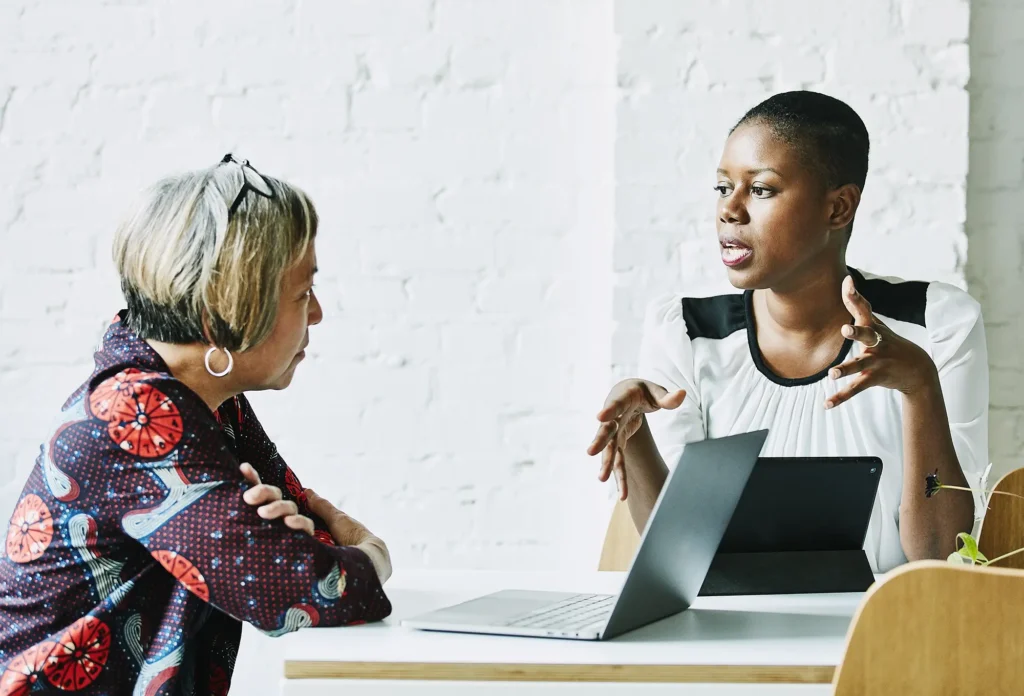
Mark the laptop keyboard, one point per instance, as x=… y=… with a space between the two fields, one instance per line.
x=570 y=614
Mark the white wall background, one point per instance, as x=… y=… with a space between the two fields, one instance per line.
x=460 y=154
x=503 y=185
x=995 y=227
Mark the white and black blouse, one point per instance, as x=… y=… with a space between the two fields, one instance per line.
x=708 y=346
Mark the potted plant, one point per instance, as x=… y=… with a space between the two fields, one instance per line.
x=967 y=546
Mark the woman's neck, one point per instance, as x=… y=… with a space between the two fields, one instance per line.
x=810 y=305
x=187 y=364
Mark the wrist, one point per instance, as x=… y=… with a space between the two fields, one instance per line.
x=927 y=387
x=640 y=440
x=921 y=377
x=377 y=552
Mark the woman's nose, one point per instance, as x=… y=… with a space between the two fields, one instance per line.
x=316 y=312
x=732 y=212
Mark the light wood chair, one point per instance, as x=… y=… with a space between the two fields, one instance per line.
x=620 y=541
x=1002 y=528
x=931 y=627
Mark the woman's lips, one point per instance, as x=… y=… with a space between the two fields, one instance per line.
x=735 y=254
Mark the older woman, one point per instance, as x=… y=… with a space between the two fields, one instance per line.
x=144 y=536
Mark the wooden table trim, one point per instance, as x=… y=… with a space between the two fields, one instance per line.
x=481 y=671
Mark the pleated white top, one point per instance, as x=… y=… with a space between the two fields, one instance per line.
x=708 y=346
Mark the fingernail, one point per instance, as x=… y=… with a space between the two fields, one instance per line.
x=828 y=405
x=848 y=330
x=834 y=374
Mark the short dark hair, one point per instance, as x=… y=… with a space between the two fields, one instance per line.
x=827 y=133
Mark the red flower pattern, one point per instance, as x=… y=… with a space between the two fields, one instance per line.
x=26 y=669
x=109 y=396
x=185 y=572
x=146 y=422
x=291 y=483
x=80 y=655
x=30 y=531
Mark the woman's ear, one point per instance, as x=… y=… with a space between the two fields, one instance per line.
x=843 y=203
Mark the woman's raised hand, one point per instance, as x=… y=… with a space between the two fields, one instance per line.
x=622 y=415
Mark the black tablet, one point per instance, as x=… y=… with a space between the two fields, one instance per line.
x=804 y=504
x=799 y=527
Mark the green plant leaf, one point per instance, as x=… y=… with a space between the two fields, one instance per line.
x=965 y=554
x=970 y=547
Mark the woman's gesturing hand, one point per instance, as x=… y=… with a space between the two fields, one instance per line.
x=622 y=415
x=888 y=360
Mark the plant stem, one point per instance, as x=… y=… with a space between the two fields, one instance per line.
x=1005 y=555
x=1014 y=495
x=992 y=492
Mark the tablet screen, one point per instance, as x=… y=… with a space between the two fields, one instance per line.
x=804 y=504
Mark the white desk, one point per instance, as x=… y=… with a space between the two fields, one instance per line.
x=716 y=645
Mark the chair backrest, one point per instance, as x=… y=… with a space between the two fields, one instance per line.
x=620 y=541
x=931 y=627
x=1002 y=528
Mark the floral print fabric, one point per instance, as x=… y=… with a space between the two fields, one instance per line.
x=131 y=559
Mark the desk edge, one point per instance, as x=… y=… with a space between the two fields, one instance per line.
x=645 y=673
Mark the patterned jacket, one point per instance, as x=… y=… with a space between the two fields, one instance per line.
x=131 y=559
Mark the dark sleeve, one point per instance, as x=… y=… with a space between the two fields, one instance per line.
x=254 y=446
x=203 y=532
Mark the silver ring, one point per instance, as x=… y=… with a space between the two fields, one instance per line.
x=878 y=339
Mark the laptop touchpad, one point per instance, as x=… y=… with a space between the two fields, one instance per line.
x=506 y=604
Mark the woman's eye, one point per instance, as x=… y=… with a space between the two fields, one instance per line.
x=760 y=191
x=722 y=189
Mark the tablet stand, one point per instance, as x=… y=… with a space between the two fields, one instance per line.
x=788 y=572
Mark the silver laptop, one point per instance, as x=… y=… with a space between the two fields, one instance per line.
x=675 y=552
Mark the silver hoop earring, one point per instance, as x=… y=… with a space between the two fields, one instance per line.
x=231 y=362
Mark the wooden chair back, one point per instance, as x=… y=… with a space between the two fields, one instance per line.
x=1002 y=528
x=620 y=541
x=931 y=627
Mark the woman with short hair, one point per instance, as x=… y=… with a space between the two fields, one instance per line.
x=832 y=361
x=159 y=515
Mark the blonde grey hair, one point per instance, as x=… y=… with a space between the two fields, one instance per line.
x=192 y=273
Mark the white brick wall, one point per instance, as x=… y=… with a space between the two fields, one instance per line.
x=460 y=154
x=995 y=264
x=470 y=159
